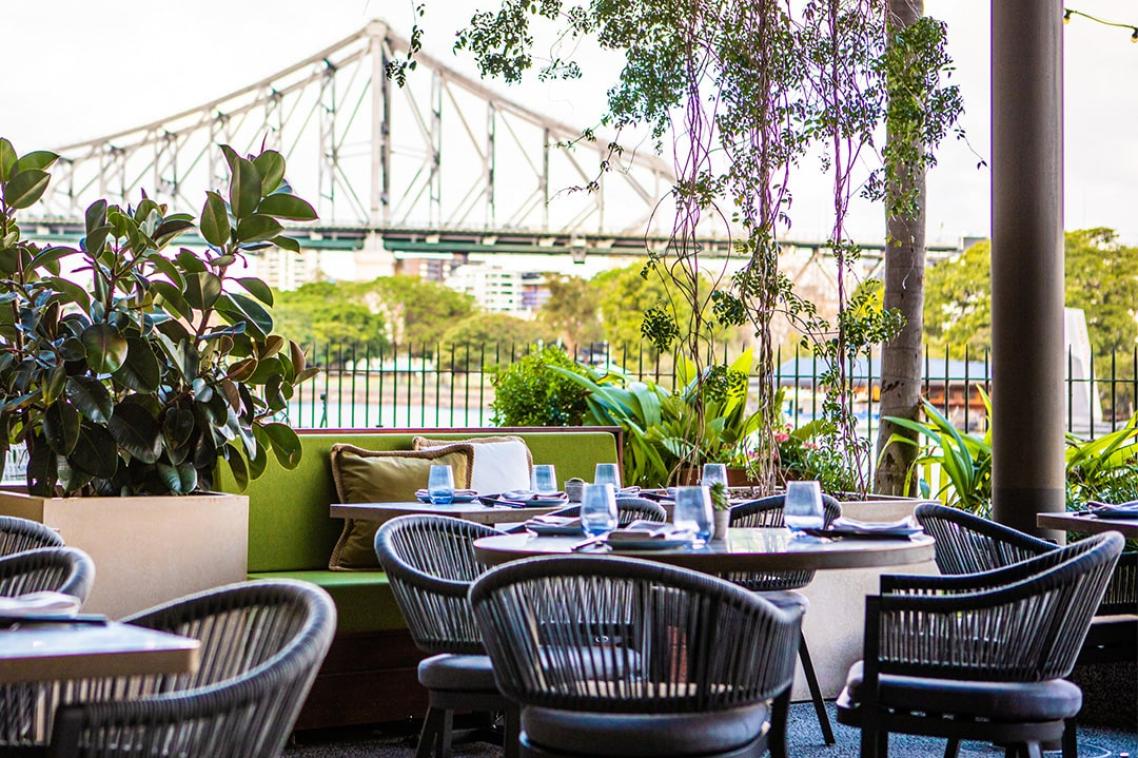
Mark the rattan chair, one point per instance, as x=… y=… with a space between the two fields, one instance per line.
x=430 y=565
x=261 y=645
x=628 y=509
x=968 y=544
x=26 y=708
x=622 y=657
x=19 y=534
x=979 y=656
x=779 y=586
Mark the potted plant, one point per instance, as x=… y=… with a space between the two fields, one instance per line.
x=128 y=392
x=721 y=511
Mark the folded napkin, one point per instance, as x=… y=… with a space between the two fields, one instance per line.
x=39 y=604
x=1109 y=510
x=639 y=531
x=525 y=496
x=424 y=496
x=553 y=520
x=875 y=526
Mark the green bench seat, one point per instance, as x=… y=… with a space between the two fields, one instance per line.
x=364 y=600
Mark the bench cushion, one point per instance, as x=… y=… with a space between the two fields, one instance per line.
x=364 y=600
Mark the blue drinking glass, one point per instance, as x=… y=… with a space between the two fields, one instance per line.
x=607 y=473
x=598 y=509
x=440 y=485
x=693 y=511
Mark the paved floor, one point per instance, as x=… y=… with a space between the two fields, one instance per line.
x=805 y=742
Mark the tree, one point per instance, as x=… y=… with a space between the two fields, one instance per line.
x=486 y=339
x=571 y=312
x=320 y=313
x=419 y=311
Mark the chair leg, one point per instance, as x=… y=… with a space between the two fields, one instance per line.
x=951 y=749
x=883 y=744
x=428 y=737
x=1071 y=739
x=815 y=690
x=1033 y=750
x=510 y=741
x=446 y=735
x=780 y=710
x=869 y=743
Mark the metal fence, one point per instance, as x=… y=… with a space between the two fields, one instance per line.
x=453 y=385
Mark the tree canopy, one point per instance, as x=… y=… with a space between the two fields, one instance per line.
x=319 y=312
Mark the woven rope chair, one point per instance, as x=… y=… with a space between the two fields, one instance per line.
x=430 y=566
x=968 y=544
x=18 y=535
x=779 y=586
x=261 y=645
x=628 y=509
x=979 y=656
x=25 y=709
x=621 y=657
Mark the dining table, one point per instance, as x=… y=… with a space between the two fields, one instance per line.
x=744 y=549
x=475 y=512
x=1087 y=523
x=58 y=651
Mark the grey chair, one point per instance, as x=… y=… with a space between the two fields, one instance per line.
x=261 y=645
x=968 y=544
x=19 y=534
x=622 y=657
x=628 y=510
x=979 y=656
x=779 y=586
x=430 y=565
x=26 y=708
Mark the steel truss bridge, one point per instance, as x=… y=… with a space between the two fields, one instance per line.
x=387 y=179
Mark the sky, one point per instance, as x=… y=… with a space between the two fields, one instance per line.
x=92 y=68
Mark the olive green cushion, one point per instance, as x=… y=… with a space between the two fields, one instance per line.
x=364 y=601
x=289 y=526
x=384 y=476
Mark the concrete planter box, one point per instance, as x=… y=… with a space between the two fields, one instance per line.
x=835 y=621
x=147 y=550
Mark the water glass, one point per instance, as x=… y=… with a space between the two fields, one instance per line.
x=544 y=479
x=714 y=473
x=598 y=509
x=440 y=485
x=803 y=508
x=607 y=473
x=693 y=511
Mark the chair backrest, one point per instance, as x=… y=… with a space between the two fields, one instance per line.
x=1024 y=622
x=1122 y=592
x=262 y=644
x=593 y=633
x=628 y=509
x=968 y=544
x=430 y=564
x=769 y=512
x=55 y=569
x=20 y=534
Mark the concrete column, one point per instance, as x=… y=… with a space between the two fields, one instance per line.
x=1027 y=261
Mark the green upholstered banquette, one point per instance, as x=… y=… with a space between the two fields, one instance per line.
x=369 y=674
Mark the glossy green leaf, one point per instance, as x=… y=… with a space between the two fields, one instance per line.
x=271 y=165
x=90 y=397
x=37 y=159
x=42 y=472
x=286 y=243
x=61 y=427
x=96 y=239
x=257 y=228
x=256 y=288
x=238 y=467
x=166 y=267
x=244 y=188
x=173 y=298
x=170 y=229
x=95 y=215
x=215 y=220
x=95 y=452
x=141 y=372
x=288 y=207
x=286 y=444
x=70 y=292
x=180 y=480
x=7 y=159
x=202 y=289
x=24 y=188
x=50 y=257
x=136 y=432
x=106 y=348
x=189 y=261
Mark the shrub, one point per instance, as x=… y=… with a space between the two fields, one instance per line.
x=528 y=393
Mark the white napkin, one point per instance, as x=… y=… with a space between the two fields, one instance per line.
x=875 y=526
x=648 y=530
x=39 y=603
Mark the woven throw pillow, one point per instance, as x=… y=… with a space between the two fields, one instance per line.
x=384 y=476
x=501 y=463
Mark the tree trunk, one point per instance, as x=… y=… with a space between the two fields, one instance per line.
x=905 y=291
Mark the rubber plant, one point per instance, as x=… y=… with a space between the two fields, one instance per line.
x=164 y=361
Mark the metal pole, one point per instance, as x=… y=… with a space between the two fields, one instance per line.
x=378 y=198
x=1027 y=261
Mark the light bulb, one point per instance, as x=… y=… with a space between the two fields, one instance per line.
x=1067 y=16
x=1134 y=36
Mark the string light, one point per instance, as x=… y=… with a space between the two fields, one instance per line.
x=1068 y=13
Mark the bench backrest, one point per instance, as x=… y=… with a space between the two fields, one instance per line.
x=289 y=526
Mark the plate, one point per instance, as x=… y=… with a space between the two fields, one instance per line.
x=651 y=544
x=555 y=530
x=866 y=534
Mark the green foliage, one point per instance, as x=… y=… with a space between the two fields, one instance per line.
x=572 y=311
x=528 y=393
x=719 y=498
x=964 y=459
x=139 y=384
x=808 y=453
x=1104 y=469
x=419 y=311
x=482 y=341
x=321 y=313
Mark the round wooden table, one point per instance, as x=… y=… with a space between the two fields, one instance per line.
x=743 y=550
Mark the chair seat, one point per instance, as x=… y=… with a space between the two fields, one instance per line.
x=457 y=673
x=998 y=701
x=670 y=734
